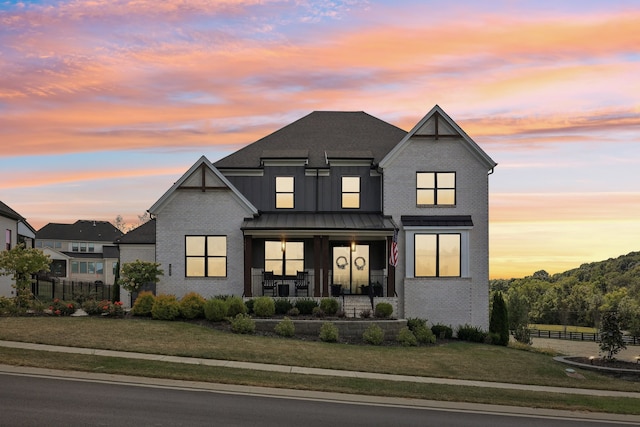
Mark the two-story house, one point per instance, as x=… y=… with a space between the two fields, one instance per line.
x=83 y=251
x=314 y=207
x=16 y=231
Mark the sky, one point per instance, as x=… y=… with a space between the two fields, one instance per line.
x=104 y=104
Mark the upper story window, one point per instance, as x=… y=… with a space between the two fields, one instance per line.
x=350 y=192
x=74 y=246
x=7 y=239
x=436 y=188
x=91 y=247
x=284 y=192
x=206 y=256
x=437 y=255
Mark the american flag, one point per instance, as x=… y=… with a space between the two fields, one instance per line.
x=393 y=256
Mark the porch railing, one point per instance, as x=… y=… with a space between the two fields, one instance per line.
x=286 y=286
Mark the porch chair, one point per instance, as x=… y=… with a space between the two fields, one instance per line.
x=301 y=282
x=269 y=283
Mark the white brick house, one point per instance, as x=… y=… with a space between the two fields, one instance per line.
x=317 y=203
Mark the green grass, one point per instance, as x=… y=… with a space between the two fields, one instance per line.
x=561 y=328
x=451 y=360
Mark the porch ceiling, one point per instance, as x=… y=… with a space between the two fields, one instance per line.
x=320 y=223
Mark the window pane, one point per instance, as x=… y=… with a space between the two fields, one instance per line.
x=83 y=267
x=294 y=250
x=426 y=180
x=195 y=246
x=74 y=267
x=449 y=255
x=74 y=246
x=83 y=247
x=272 y=250
x=350 y=184
x=217 y=246
x=217 y=267
x=447 y=180
x=446 y=197
x=91 y=267
x=351 y=200
x=99 y=268
x=425 y=197
x=284 y=201
x=273 y=265
x=293 y=266
x=284 y=184
x=195 y=267
x=425 y=255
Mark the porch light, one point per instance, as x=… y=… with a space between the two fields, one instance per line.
x=353 y=246
x=284 y=245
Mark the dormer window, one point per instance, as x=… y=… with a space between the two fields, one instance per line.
x=436 y=188
x=284 y=192
x=350 y=192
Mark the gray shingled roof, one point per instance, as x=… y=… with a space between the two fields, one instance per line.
x=317 y=133
x=144 y=234
x=7 y=212
x=81 y=230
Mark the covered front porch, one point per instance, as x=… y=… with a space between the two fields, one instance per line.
x=318 y=255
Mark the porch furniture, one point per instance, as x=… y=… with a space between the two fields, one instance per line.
x=269 y=283
x=301 y=282
x=336 y=289
x=283 y=290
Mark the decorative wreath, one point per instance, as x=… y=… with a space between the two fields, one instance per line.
x=341 y=262
x=360 y=263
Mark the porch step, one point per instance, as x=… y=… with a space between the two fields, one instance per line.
x=353 y=305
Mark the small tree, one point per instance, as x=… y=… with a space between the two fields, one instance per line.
x=611 y=341
x=138 y=273
x=21 y=263
x=499 y=321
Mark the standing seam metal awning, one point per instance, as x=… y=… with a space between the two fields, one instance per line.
x=320 y=223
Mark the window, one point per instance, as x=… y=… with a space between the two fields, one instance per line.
x=437 y=255
x=74 y=246
x=436 y=188
x=283 y=258
x=58 y=245
x=74 y=267
x=284 y=192
x=91 y=247
x=7 y=239
x=83 y=268
x=91 y=267
x=114 y=267
x=99 y=268
x=206 y=256
x=83 y=247
x=350 y=192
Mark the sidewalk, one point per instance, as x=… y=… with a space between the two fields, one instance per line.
x=315 y=371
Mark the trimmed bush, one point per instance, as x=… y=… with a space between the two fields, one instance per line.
x=249 y=304
x=92 y=307
x=243 y=324
x=330 y=306
x=215 y=309
x=383 y=310
x=285 y=328
x=283 y=305
x=470 y=333
x=306 y=305
x=165 y=307
x=264 y=307
x=373 y=335
x=192 y=306
x=62 y=308
x=143 y=304
x=499 y=320
x=414 y=322
x=424 y=335
x=442 y=331
x=406 y=338
x=236 y=306
x=328 y=332
x=317 y=312
x=293 y=312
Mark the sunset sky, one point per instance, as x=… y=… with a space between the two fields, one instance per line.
x=104 y=104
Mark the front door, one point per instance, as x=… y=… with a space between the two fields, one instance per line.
x=351 y=268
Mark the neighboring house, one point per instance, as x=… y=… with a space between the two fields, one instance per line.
x=82 y=251
x=318 y=203
x=15 y=230
x=137 y=244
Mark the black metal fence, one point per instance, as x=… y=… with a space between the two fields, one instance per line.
x=71 y=289
x=578 y=336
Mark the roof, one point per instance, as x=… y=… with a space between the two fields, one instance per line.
x=144 y=234
x=81 y=230
x=7 y=212
x=110 y=252
x=318 y=133
x=325 y=222
x=437 y=220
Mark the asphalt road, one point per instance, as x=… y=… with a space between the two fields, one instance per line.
x=35 y=400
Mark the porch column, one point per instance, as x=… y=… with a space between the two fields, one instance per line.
x=391 y=272
x=247 y=265
x=317 y=264
x=326 y=256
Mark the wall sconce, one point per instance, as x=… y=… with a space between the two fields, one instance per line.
x=353 y=246
x=284 y=245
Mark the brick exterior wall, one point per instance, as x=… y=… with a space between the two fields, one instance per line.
x=452 y=301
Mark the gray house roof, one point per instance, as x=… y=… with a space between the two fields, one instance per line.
x=144 y=234
x=7 y=212
x=319 y=133
x=81 y=230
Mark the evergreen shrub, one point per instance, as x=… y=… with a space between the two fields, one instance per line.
x=306 y=305
x=328 y=332
x=283 y=305
x=373 y=335
x=330 y=306
x=165 y=307
x=406 y=338
x=442 y=331
x=243 y=324
x=192 y=306
x=235 y=306
x=285 y=328
x=383 y=310
x=264 y=307
x=143 y=304
x=215 y=310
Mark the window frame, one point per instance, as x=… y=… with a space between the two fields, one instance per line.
x=282 y=260
x=206 y=258
x=437 y=188
x=438 y=264
x=344 y=193
x=410 y=249
x=285 y=191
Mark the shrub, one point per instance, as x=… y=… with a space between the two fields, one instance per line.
x=442 y=331
x=62 y=308
x=283 y=305
x=365 y=314
x=243 y=324
x=249 y=304
x=7 y=306
x=236 y=306
x=499 y=320
x=317 y=312
x=330 y=306
x=406 y=338
x=264 y=307
x=92 y=307
x=285 y=328
x=192 y=306
x=165 y=307
x=328 y=332
x=471 y=333
x=413 y=323
x=373 y=335
x=215 y=310
x=383 y=310
x=306 y=305
x=424 y=334
x=293 y=312
x=143 y=304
